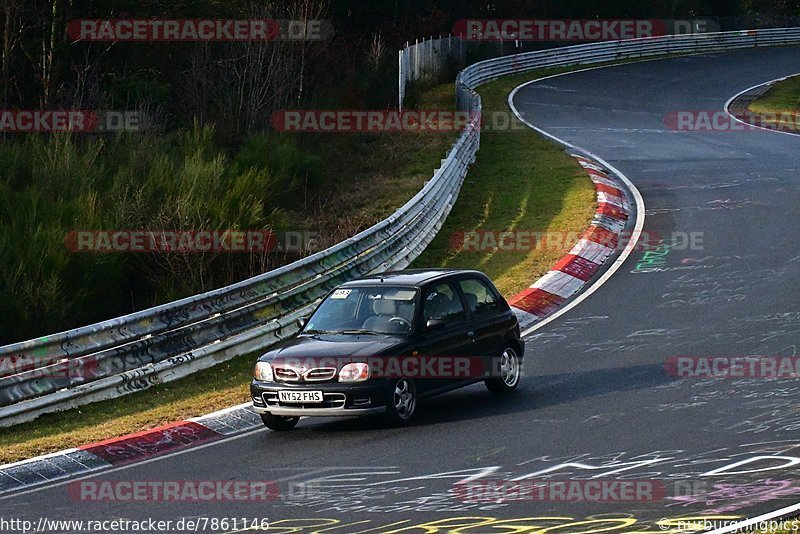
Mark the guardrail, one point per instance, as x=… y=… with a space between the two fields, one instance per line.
x=602 y=52
x=133 y=352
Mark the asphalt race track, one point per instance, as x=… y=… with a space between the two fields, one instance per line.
x=597 y=401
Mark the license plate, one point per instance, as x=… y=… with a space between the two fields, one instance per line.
x=299 y=397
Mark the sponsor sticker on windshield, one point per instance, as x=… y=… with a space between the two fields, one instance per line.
x=401 y=294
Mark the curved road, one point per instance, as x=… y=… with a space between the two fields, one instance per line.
x=597 y=401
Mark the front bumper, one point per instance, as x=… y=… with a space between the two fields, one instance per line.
x=319 y=412
x=340 y=400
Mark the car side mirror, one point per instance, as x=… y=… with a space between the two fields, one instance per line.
x=301 y=322
x=434 y=324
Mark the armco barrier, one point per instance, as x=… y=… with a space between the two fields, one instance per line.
x=591 y=53
x=133 y=352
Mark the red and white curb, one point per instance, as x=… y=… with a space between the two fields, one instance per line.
x=573 y=271
x=565 y=279
x=116 y=452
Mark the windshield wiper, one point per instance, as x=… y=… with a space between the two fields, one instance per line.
x=358 y=331
x=345 y=332
x=313 y=331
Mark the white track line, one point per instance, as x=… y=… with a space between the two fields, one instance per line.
x=795 y=507
x=594 y=287
x=637 y=230
x=737 y=95
x=628 y=249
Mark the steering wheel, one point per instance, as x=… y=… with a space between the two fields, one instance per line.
x=401 y=321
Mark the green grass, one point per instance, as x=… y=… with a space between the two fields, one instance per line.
x=520 y=180
x=333 y=185
x=371 y=175
x=53 y=185
x=367 y=177
x=206 y=391
x=783 y=97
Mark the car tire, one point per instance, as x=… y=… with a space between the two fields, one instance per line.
x=277 y=422
x=510 y=366
x=401 y=404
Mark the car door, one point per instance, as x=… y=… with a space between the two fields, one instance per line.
x=441 y=300
x=485 y=318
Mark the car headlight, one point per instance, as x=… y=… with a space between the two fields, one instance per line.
x=263 y=372
x=354 y=372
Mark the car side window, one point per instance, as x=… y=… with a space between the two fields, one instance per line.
x=479 y=297
x=441 y=302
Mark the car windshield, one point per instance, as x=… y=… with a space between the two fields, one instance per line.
x=366 y=310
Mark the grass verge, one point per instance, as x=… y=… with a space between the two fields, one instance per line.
x=520 y=181
x=367 y=178
x=783 y=98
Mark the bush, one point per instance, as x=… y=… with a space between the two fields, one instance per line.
x=292 y=172
x=58 y=184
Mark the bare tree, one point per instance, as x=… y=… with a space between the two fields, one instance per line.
x=376 y=51
x=83 y=89
x=12 y=34
x=52 y=38
x=245 y=82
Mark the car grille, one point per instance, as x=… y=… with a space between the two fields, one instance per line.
x=290 y=374
x=320 y=374
x=331 y=400
x=286 y=374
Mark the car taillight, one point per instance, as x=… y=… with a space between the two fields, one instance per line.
x=354 y=372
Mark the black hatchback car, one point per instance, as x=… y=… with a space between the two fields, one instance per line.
x=381 y=343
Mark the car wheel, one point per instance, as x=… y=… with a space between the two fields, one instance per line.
x=277 y=422
x=509 y=373
x=402 y=402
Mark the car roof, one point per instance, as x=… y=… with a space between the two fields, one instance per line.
x=408 y=277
